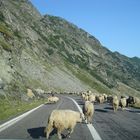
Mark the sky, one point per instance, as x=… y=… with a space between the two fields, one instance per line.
x=115 y=23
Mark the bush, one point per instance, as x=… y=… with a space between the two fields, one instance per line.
x=2 y=18
x=50 y=51
x=16 y=33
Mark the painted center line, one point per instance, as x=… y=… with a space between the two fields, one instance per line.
x=92 y=130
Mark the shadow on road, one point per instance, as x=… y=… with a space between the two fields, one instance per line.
x=109 y=108
x=101 y=110
x=36 y=132
x=39 y=133
x=134 y=111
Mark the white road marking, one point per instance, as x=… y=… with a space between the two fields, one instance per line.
x=127 y=109
x=13 y=121
x=92 y=130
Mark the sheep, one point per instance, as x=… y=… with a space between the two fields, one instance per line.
x=83 y=96
x=105 y=97
x=61 y=120
x=86 y=98
x=91 y=98
x=100 y=98
x=53 y=99
x=123 y=103
x=39 y=91
x=88 y=110
x=130 y=100
x=136 y=100
x=115 y=103
x=89 y=92
x=30 y=93
x=109 y=99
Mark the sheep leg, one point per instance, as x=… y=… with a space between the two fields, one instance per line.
x=49 y=129
x=86 y=118
x=90 y=119
x=59 y=133
x=70 y=131
x=114 y=108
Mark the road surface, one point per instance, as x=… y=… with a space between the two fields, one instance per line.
x=122 y=125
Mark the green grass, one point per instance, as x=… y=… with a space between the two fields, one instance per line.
x=4 y=29
x=50 y=51
x=2 y=18
x=17 y=34
x=87 y=79
x=5 y=45
x=35 y=83
x=10 y=108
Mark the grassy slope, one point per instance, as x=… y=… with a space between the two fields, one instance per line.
x=10 y=108
x=88 y=79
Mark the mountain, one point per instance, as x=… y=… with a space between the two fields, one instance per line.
x=51 y=53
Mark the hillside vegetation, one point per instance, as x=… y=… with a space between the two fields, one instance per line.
x=51 y=53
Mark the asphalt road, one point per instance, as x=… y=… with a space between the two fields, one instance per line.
x=122 y=125
x=32 y=126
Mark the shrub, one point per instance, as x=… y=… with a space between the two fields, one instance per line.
x=50 y=51
x=16 y=33
x=2 y=18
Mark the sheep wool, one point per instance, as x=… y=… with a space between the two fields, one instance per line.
x=61 y=120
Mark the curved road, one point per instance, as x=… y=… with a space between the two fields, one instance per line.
x=121 y=125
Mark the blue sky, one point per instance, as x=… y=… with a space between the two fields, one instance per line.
x=115 y=23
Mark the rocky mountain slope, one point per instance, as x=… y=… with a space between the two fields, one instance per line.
x=50 y=53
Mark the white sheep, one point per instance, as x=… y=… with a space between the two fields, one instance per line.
x=88 y=110
x=39 y=91
x=136 y=100
x=100 y=98
x=123 y=103
x=53 y=99
x=115 y=103
x=91 y=98
x=86 y=98
x=30 y=93
x=105 y=96
x=61 y=120
x=83 y=96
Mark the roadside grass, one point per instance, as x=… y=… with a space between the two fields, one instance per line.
x=9 y=109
